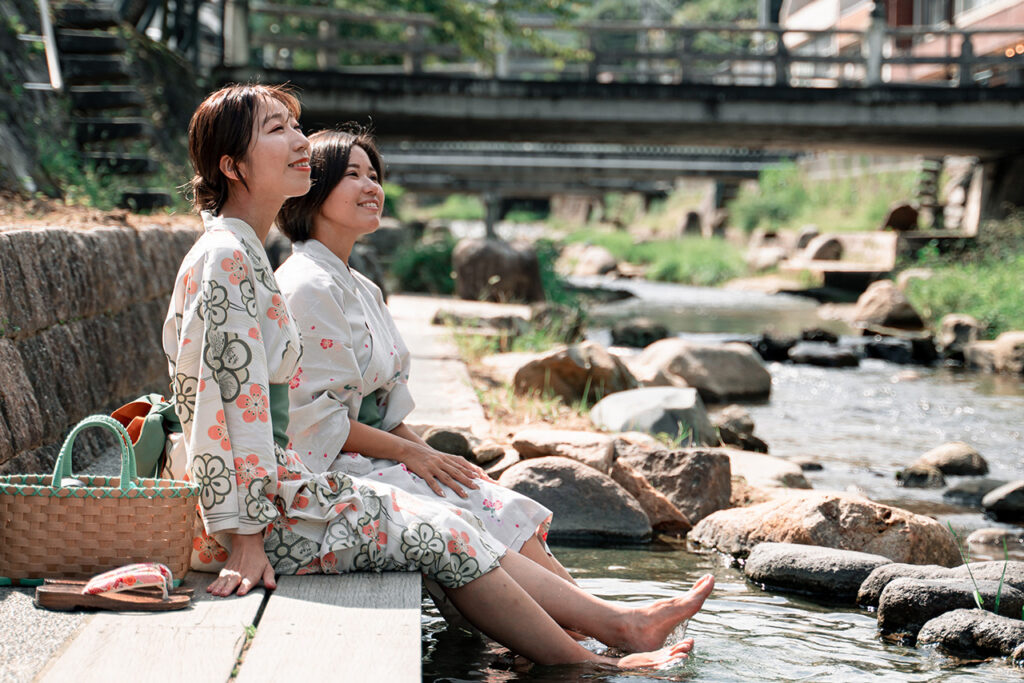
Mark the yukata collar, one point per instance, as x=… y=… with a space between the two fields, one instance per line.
x=235 y=226
x=317 y=251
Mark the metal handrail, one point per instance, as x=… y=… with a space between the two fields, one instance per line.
x=49 y=41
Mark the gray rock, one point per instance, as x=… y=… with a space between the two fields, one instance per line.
x=1005 y=503
x=678 y=413
x=956 y=331
x=831 y=520
x=808 y=569
x=824 y=248
x=970 y=491
x=808 y=465
x=890 y=348
x=972 y=633
x=883 y=304
x=734 y=418
x=720 y=372
x=874 y=584
x=995 y=537
x=587 y=505
x=584 y=371
x=487 y=452
x=762 y=470
x=494 y=270
x=955 y=457
x=453 y=440
x=824 y=355
x=498 y=467
x=906 y=604
x=590 y=448
x=919 y=476
x=981 y=355
x=638 y=332
x=698 y=481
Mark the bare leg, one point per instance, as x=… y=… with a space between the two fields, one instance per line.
x=534 y=549
x=500 y=607
x=633 y=628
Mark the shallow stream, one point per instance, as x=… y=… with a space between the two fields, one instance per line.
x=863 y=425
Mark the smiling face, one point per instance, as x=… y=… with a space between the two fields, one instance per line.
x=277 y=161
x=354 y=205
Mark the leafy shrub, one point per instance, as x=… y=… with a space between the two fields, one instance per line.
x=426 y=266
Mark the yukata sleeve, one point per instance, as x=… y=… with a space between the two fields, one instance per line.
x=231 y=441
x=399 y=400
x=326 y=392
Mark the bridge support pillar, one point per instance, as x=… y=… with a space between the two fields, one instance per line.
x=492 y=202
x=996 y=189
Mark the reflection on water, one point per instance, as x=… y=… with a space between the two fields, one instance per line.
x=863 y=425
x=742 y=634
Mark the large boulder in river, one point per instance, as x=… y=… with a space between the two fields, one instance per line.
x=970 y=492
x=720 y=372
x=956 y=331
x=919 y=476
x=698 y=481
x=824 y=355
x=831 y=520
x=661 y=513
x=1009 y=352
x=765 y=471
x=809 y=569
x=589 y=448
x=955 y=457
x=587 y=505
x=736 y=428
x=883 y=304
x=973 y=633
x=872 y=587
x=637 y=332
x=907 y=604
x=495 y=270
x=580 y=372
x=677 y=413
x=1006 y=503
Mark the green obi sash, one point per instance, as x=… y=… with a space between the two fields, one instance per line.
x=369 y=412
x=279 y=413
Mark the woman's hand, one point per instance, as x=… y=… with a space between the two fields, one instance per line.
x=437 y=468
x=246 y=567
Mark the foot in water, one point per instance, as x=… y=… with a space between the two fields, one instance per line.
x=644 y=629
x=658 y=658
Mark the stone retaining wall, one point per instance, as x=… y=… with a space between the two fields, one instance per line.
x=80 y=317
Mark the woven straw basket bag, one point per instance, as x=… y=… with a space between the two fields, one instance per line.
x=60 y=526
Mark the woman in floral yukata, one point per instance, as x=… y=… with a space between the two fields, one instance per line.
x=349 y=397
x=233 y=347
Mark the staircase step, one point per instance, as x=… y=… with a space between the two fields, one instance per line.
x=123 y=164
x=98 y=97
x=78 y=42
x=94 y=68
x=142 y=199
x=77 y=16
x=99 y=129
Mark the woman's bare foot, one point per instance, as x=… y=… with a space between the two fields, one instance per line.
x=645 y=629
x=658 y=658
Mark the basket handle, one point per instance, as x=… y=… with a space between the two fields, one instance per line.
x=62 y=468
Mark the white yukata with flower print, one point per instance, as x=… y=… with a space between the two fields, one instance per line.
x=229 y=337
x=352 y=350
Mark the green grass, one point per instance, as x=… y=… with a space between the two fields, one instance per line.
x=689 y=260
x=785 y=198
x=459 y=207
x=981 y=279
x=425 y=267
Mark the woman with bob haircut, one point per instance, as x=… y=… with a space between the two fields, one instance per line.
x=233 y=346
x=350 y=397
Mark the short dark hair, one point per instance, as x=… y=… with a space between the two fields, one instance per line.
x=223 y=125
x=328 y=161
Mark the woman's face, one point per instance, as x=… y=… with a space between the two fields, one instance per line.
x=277 y=162
x=356 y=202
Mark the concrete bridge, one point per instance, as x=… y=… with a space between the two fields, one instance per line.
x=531 y=169
x=635 y=83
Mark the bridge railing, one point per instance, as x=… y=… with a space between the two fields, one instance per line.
x=269 y=35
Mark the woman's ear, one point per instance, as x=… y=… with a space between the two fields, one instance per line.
x=229 y=168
